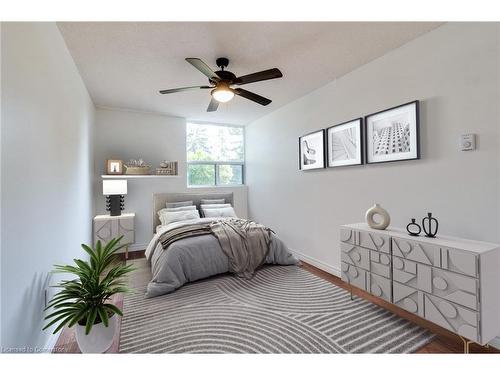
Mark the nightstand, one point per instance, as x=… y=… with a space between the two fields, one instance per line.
x=107 y=227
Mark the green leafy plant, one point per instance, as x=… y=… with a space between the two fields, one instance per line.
x=85 y=299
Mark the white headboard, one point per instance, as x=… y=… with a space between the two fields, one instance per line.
x=160 y=201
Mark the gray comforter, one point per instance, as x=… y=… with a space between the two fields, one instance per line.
x=196 y=258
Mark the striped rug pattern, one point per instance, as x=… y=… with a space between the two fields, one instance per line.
x=283 y=309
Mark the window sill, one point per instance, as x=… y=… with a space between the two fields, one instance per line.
x=215 y=186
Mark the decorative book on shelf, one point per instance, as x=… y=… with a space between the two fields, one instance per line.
x=168 y=168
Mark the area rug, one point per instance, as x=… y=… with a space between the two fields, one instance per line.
x=283 y=309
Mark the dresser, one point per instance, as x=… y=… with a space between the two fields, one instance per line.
x=452 y=282
x=107 y=227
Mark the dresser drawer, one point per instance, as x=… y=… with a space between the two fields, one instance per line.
x=417 y=251
x=355 y=255
x=409 y=299
x=460 y=261
x=375 y=241
x=454 y=287
x=462 y=290
x=380 y=287
x=455 y=318
x=380 y=263
x=354 y=275
x=370 y=240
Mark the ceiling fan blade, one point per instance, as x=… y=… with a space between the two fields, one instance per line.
x=259 y=76
x=212 y=107
x=180 y=89
x=251 y=96
x=202 y=67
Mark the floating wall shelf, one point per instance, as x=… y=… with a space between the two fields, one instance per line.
x=135 y=176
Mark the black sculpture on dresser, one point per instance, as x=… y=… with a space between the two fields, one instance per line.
x=427 y=225
x=416 y=228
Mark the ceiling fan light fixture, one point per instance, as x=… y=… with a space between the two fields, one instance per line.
x=223 y=94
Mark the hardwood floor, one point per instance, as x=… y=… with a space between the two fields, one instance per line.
x=444 y=342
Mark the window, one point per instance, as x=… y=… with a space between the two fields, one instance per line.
x=215 y=154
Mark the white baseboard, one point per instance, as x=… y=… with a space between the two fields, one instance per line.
x=317 y=263
x=137 y=247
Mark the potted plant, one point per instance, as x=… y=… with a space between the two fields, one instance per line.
x=85 y=300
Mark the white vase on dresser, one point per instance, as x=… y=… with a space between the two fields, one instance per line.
x=107 y=227
x=452 y=282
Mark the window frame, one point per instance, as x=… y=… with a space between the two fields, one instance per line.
x=218 y=163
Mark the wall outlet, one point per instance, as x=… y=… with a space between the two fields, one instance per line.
x=468 y=142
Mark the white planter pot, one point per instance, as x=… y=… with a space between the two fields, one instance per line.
x=99 y=338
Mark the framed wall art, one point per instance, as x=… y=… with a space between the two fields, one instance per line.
x=312 y=150
x=393 y=134
x=344 y=144
x=114 y=167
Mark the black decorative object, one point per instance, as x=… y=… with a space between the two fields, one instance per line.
x=416 y=227
x=115 y=204
x=427 y=225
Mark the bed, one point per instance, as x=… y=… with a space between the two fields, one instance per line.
x=195 y=258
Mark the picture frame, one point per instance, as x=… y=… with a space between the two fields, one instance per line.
x=393 y=134
x=312 y=150
x=114 y=167
x=345 y=144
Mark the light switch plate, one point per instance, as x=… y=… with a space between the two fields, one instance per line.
x=468 y=142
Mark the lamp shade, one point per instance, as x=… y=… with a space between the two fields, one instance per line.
x=114 y=187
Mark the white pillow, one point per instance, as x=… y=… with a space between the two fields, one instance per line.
x=167 y=217
x=215 y=205
x=219 y=212
x=176 y=209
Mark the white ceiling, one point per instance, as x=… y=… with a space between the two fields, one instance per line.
x=125 y=64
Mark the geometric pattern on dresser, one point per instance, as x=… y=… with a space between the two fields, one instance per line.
x=417 y=251
x=355 y=255
x=374 y=241
x=354 y=275
x=380 y=287
x=282 y=309
x=380 y=263
x=448 y=285
x=452 y=317
x=408 y=298
x=459 y=261
x=107 y=227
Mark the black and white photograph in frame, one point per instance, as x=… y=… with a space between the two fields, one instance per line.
x=393 y=134
x=345 y=144
x=312 y=150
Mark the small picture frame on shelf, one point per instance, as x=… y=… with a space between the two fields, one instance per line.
x=114 y=167
x=345 y=144
x=312 y=150
x=393 y=134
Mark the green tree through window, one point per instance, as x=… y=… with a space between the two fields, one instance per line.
x=215 y=154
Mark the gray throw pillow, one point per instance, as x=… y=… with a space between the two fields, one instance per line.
x=179 y=204
x=213 y=201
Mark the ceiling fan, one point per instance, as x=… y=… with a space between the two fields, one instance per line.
x=222 y=80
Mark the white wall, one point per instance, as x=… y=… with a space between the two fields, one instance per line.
x=46 y=164
x=125 y=135
x=455 y=72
